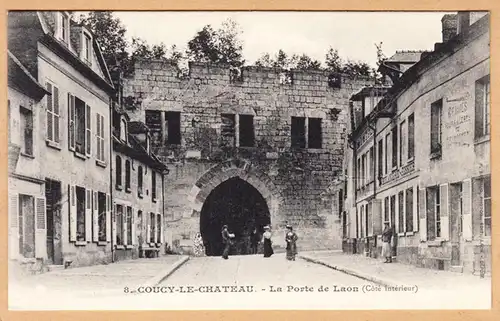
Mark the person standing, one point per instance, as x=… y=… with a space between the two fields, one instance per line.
x=291 y=243
x=198 y=245
x=386 y=243
x=226 y=241
x=268 y=246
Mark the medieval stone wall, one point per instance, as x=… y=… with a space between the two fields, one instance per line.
x=298 y=180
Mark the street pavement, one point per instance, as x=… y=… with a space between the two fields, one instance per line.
x=250 y=282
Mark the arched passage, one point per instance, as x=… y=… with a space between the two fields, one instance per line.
x=238 y=204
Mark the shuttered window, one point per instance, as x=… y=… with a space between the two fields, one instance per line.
x=100 y=154
x=436 y=126
x=409 y=210
x=411 y=136
x=401 y=214
x=482 y=107
x=53 y=113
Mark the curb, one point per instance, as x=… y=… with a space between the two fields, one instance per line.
x=355 y=273
x=162 y=276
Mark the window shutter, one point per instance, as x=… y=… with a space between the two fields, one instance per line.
x=71 y=122
x=479 y=115
x=88 y=215
x=134 y=223
x=422 y=214
x=14 y=230
x=41 y=231
x=113 y=225
x=102 y=139
x=161 y=228
x=95 y=218
x=88 y=130
x=98 y=135
x=108 y=218
x=415 y=208
x=467 y=209
x=445 y=222
x=148 y=227
x=56 y=114
x=50 y=118
x=72 y=213
x=377 y=216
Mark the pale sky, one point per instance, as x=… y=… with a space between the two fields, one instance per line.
x=352 y=33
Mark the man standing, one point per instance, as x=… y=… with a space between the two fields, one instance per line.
x=226 y=241
x=254 y=239
x=386 y=243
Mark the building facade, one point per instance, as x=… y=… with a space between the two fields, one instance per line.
x=74 y=128
x=26 y=192
x=246 y=148
x=429 y=176
x=138 y=187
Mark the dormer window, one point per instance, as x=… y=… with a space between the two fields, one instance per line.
x=64 y=27
x=87 y=47
x=123 y=130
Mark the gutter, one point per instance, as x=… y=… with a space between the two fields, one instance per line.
x=111 y=176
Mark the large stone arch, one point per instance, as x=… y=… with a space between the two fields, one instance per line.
x=244 y=170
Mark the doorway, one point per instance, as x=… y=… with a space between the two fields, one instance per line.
x=456 y=224
x=239 y=205
x=54 y=226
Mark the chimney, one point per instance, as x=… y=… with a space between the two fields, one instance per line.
x=463 y=21
x=449 y=24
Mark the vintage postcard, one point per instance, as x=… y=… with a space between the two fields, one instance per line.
x=238 y=160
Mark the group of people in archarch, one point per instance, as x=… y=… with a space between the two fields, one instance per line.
x=290 y=238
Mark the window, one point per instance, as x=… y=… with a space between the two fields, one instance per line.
x=401 y=214
x=436 y=114
x=101 y=209
x=380 y=150
x=118 y=170
x=228 y=130
x=64 y=27
x=369 y=219
x=139 y=181
x=393 y=211
x=158 y=228
x=482 y=107
x=154 y=123
x=173 y=119
x=79 y=126
x=299 y=132
x=140 y=227
x=486 y=199
x=362 y=227
x=153 y=185
x=403 y=156
x=371 y=173
x=411 y=136
x=80 y=214
x=127 y=175
x=87 y=48
x=130 y=221
x=315 y=134
x=386 y=210
x=152 y=228
x=247 y=135
x=395 y=146
x=26 y=131
x=53 y=114
x=409 y=210
x=123 y=130
x=363 y=170
x=100 y=137
x=119 y=225
x=387 y=149
x=357 y=223
x=433 y=213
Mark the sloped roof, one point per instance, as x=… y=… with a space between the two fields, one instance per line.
x=24 y=23
x=20 y=77
x=406 y=56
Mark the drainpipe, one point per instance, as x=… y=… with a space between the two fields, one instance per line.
x=111 y=176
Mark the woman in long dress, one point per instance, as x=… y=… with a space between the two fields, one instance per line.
x=198 y=245
x=268 y=248
x=291 y=243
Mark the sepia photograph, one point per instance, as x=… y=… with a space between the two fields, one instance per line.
x=249 y=160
